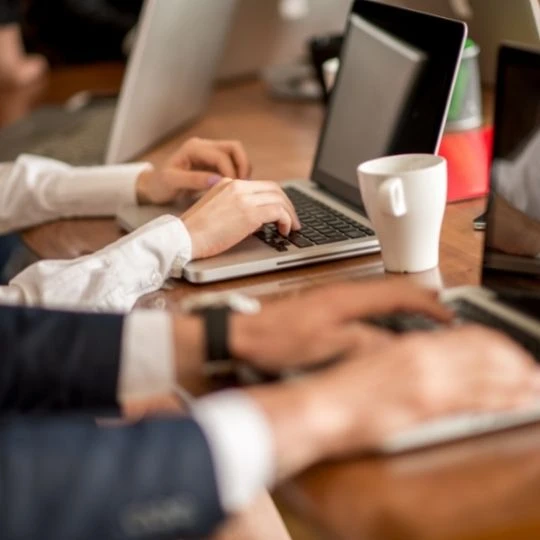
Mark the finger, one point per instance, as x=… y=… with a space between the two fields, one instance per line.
x=365 y=339
x=189 y=180
x=362 y=299
x=274 y=197
x=239 y=156
x=284 y=223
x=498 y=351
x=274 y=213
x=217 y=160
x=264 y=185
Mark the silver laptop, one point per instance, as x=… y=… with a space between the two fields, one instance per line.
x=509 y=299
x=490 y=23
x=391 y=96
x=168 y=80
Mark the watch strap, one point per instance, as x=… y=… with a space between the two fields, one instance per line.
x=216 y=326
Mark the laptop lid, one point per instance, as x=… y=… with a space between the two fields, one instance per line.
x=511 y=261
x=490 y=22
x=170 y=72
x=416 y=123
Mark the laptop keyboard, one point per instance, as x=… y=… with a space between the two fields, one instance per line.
x=470 y=312
x=320 y=225
x=465 y=312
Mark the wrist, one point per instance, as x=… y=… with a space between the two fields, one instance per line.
x=142 y=190
x=304 y=430
x=243 y=336
x=189 y=346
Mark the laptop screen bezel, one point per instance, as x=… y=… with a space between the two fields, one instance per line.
x=509 y=54
x=452 y=33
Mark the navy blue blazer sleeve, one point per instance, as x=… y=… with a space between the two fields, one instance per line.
x=53 y=360
x=68 y=478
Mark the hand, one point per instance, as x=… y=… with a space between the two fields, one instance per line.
x=355 y=405
x=233 y=210
x=198 y=165
x=325 y=323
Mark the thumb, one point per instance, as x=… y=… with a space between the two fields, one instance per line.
x=180 y=180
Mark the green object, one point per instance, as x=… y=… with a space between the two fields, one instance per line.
x=467 y=73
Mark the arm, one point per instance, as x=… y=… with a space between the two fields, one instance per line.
x=68 y=361
x=54 y=360
x=112 y=278
x=34 y=190
x=65 y=479
x=259 y=436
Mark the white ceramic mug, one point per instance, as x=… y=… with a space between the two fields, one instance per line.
x=405 y=198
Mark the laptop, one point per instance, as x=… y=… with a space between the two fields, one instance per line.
x=391 y=96
x=169 y=78
x=490 y=23
x=509 y=298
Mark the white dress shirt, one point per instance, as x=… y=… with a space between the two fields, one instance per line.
x=34 y=190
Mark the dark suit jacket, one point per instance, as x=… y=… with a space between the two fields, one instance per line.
x=64 y=478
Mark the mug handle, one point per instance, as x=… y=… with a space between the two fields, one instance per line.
x=391 y=197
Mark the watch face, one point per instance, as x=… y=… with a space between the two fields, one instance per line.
x=236 y=301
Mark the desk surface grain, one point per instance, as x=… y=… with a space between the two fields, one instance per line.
x=487 y=488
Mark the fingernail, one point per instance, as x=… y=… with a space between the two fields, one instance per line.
x=213 y=180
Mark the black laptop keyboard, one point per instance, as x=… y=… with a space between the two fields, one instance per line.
x=465 y=311
x=320 y=225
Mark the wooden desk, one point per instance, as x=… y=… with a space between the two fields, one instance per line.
x=483 y=489
x=281 y=140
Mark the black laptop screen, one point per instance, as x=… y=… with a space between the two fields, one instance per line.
x=512 y=247
x=391 y=93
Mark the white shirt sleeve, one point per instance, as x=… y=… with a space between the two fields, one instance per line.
x=147 y=366
x=242 y=446
x=111 y=279
x=34 y=190
x=237 y=431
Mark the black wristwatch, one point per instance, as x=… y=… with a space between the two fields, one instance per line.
x=215 y=309
x=216 y=331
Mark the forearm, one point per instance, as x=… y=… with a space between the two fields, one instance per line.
x=113 y=278
x=309 y=424
x=65 y=479
x=35 y=190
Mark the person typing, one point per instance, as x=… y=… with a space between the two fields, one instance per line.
x=34 y=190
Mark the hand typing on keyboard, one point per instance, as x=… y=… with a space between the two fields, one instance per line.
x=323 y=324
x=234 y=209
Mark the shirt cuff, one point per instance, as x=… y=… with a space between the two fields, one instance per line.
x=241 y=444
x=147 y=366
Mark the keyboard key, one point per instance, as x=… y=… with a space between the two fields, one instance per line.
x=356 y=234
x=299 y=241
x=320 y=223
